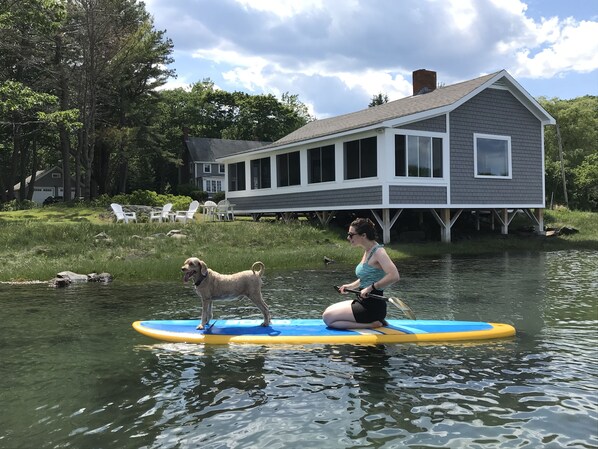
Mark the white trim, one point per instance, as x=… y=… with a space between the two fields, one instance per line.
x=313 y=141
x=419 y=179
x=207 y=168
x=543 y=151
x=447 y=160
x=477 y=136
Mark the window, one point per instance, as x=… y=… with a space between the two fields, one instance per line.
x=213 y=185
x=56 y=175
x=288 y=169
x=492 y=156
x=320 y=162
x=236 y=176
x=207 y=168
x=260 y=173
x=418 y=156
x=361 y=159
x=221 y=168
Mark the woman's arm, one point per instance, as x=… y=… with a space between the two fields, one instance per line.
x=392 y=273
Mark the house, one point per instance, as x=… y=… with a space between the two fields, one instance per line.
x=204 y=172
x=48 y=183
x=473 y=146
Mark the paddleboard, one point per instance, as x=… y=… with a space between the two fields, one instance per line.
x=314 y=331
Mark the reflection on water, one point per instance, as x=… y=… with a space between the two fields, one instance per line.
x=74 y=373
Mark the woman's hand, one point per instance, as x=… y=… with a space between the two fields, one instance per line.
x=365 y=292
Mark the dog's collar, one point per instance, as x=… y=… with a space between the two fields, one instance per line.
x=201 y=278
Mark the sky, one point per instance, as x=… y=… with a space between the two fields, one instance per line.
x=335 y=55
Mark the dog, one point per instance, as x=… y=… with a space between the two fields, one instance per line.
x=211 y=285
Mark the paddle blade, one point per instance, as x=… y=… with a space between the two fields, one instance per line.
x=403 y=308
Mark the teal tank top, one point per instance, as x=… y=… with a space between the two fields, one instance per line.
x=368 y=274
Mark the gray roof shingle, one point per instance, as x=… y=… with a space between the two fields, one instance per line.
x=204 y=149
x=438 y=98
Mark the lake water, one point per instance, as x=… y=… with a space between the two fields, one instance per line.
x=74 y=374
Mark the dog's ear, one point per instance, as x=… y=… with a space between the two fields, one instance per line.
x=203 y=268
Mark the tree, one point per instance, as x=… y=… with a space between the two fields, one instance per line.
x=204 y=111
x=378 y=99
x=578 y=123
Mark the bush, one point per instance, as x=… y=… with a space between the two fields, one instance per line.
x=17 y=205
x=218 y=196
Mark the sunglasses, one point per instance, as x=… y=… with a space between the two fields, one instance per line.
x=350 y=235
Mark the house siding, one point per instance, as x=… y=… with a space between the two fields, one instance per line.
x=434 y=124
x=406 y=195
x=496 y=112
x=309 y=201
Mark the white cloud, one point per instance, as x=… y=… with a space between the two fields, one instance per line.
x=336 y=58
x=281 y=8
x=571 y=46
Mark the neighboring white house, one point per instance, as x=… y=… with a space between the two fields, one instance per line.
x=477 y=145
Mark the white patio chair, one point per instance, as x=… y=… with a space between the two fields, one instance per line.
x=162 y=214
x=121 y=215
x=209 y=210
x=184 y=215
x=225 y=211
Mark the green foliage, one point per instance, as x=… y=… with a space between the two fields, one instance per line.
x=218 y=196
x=46 y=240
x=578 y=123
x=192 y=191
x=17 y=205
x=144 y=198
x=378 y=100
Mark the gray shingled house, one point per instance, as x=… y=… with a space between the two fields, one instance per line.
x=202 y=152
x=473 y=146
x=48 y=183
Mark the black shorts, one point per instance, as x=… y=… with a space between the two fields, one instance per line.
x=368 y=310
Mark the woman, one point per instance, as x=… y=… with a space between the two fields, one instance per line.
x=375 y=272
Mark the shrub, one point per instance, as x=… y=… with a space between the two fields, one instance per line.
x=17 y=205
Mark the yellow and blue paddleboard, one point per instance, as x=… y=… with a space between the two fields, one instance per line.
x=314 y=331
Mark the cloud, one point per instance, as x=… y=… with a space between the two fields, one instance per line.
x=326 y=53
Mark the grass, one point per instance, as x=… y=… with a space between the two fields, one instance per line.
x=36 y=244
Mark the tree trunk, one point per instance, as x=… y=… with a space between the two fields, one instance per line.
x=560 y=143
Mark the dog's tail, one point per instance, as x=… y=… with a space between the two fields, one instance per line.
x=258 y=268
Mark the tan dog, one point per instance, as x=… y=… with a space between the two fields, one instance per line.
x=211 y=285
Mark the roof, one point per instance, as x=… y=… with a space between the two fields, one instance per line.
x=438 y=101
x=40 y=174
x=204 y=149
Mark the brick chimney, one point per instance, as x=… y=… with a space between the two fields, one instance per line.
x=424 y=81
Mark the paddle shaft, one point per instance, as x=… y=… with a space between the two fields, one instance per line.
x=350 y=290
x=399 y=304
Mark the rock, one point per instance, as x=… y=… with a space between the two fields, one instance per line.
x=60 y=282
x=567 y=230
x=65 y=278
x=73 y=277
x=328 y=260
x=102 y=277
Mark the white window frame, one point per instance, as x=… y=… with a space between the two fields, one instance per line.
x=207 y=168
x=221 y=169
x=507 y=139
x=212 y=185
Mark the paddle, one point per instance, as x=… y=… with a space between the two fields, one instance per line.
x=398 y=303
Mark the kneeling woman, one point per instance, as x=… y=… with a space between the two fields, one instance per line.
x=375 y=272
